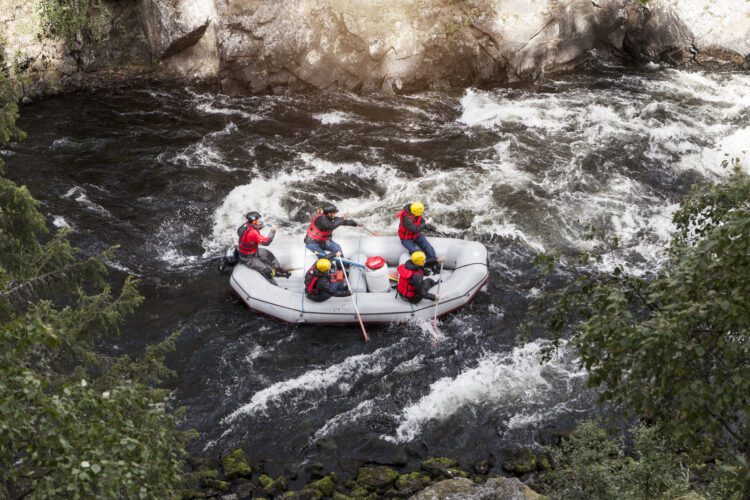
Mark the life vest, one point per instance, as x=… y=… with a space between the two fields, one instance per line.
x=316 y=234
x=310 y=280
x=404 y=233
x=405 y=288
x=248 y=246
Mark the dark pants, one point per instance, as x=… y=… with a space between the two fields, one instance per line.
x=263 y=261
x=427 y=283
x=321 y=248
x=421 y=243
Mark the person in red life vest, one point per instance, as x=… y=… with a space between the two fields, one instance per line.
x=251 y=255
x=318 y=286
x=410 y=228
x=318 y=237
x=412 y=284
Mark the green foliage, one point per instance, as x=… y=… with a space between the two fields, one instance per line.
x=674 y=345
x=75 y=20
x=73 y=422
x=592 y=464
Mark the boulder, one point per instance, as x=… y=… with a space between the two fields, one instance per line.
x=464 y=489
x=376 y=478
x=439 y=467
x=235 y=465
x=408 y=484
x=275 y=487
x=521 y=462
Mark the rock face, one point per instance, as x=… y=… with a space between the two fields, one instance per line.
x=463 y=489
x=256 y=46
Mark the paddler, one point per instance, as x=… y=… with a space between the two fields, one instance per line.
x=410 y=228
x=318 y=285
x=260 y=259
x=318 y=237
x=412 y=284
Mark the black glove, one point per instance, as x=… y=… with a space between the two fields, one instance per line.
x=429 y=227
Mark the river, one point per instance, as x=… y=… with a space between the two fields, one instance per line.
x=167 y=174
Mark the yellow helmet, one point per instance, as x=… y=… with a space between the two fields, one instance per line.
x=323 y=265
x=418 y=258
x=416 y=208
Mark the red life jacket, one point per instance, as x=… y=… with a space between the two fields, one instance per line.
x=404 y=233
x=405 y=288
x=315 y=233
x=310 y=280
x=248 y=246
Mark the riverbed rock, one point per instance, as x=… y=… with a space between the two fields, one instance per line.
x=376 y=478
x=235 y=465
x=275 y=487
x=408 y=484
x=464 y=489
x=523 y=461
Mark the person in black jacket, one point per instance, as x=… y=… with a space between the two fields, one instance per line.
x=318 y=286
x=318 y=237
x=412 y=284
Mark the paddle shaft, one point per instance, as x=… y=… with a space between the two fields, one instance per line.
x=354 y=301
x=350 y=262
x=437 y=301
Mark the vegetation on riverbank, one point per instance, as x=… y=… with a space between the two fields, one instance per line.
x=74 y=422
x=673 y=347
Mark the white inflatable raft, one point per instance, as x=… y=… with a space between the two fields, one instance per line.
x=465 y=272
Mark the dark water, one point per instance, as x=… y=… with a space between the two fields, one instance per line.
x=167 y=174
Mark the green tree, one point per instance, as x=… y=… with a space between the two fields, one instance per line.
x=74 y=423
x=673 y=346
x=593 y=464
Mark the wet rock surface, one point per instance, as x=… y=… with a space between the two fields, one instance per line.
x=388 y=46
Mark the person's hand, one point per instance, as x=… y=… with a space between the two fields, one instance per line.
x=429 y=227
x=437 y=297
x=274 y=227
x=346 y=215
x=440 y=260
x=338 y=254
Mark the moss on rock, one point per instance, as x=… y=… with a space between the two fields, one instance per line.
x=523 y=462
x=408 y=484
x=376 y=478
x=325 y=486
x=438 y=467
x=264 y=480
x=219 y=485
x=276 y=487
x=235 y=465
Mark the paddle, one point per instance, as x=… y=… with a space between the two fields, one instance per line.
x=372 y=233
x=437 y=300
x=354 y=301
x=350 y=262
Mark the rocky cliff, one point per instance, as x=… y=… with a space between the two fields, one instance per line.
x=256 y=46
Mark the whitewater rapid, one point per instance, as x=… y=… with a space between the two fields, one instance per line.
x=168 y=174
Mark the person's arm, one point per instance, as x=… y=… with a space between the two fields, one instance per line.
x=267 y=240
x=340 y=221
x=422 y=290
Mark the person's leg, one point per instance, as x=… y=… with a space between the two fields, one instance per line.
x=334 y=247
x=429 y=252
x=316 y=247
x=410 y=246
x=254 y=262
x=271 y=261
